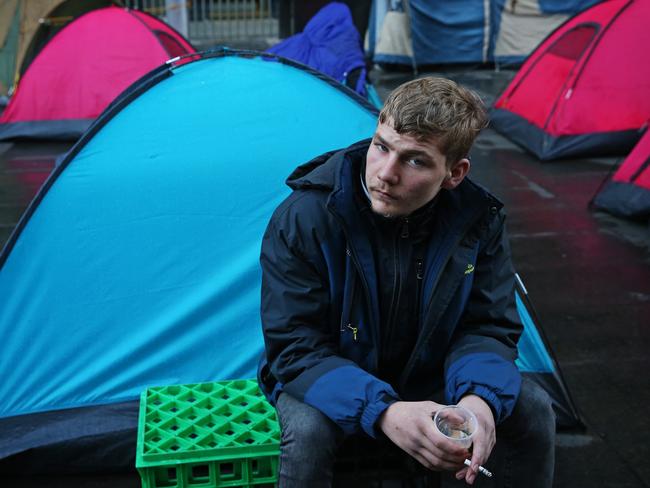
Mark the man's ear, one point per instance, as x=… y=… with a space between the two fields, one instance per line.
x=456 y=174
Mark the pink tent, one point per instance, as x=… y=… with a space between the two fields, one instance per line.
x=83 y=68
x=585 y=88
x=627 y=194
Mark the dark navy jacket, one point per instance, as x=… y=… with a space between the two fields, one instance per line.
x=320 y=310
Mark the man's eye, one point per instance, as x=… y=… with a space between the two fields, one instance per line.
x=415 y=162
x=381 y=147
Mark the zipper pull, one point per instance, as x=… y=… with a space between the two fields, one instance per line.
x=354 y=331
x=419 y=269
x=405 y=229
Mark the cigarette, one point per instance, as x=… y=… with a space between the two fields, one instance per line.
x=481 y=469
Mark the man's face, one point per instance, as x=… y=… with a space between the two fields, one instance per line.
x=402 y=173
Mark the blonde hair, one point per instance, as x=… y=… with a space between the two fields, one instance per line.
x=437 y=108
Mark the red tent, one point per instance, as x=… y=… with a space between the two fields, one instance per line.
x=83 y=68
x=584 y=90
x=627 y=194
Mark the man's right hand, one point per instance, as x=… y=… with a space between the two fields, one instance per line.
x=410 y=426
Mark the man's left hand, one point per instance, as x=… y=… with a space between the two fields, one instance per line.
x=484 y=439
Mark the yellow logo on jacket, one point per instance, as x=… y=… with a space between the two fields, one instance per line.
x=469 y=269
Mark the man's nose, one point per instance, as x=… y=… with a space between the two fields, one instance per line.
x=389 y=172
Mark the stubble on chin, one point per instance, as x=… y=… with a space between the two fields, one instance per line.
x=386 y=215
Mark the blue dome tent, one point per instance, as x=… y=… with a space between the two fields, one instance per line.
x=137 y=262
x=421 y=32
x=536 y=360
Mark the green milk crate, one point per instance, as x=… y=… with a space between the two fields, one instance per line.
x=205 y=435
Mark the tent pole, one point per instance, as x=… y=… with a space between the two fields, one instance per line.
x=407 y=10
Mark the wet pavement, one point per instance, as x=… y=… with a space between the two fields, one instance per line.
x=23 y=169
x=587 y=273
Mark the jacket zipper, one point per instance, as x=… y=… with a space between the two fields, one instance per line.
x=364 y=283
x=419 y=276
x=348 y=313
x=366 y=290
x=397 y=287
x=419 y=269
x=354 y=331
x=424 y=339
x=405 y=229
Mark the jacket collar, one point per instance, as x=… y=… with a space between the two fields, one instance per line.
x=325 y=171
x=335 y=172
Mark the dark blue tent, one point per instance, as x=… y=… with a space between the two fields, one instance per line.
x=330 y=43
x=424 y=32
x=137 y=263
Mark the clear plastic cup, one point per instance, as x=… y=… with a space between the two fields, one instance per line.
x=457 y=424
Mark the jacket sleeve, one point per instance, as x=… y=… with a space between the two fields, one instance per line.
x=484 y=347
x=301 y=341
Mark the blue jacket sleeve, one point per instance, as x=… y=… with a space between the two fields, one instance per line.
x=484 y=347
x=301 y=333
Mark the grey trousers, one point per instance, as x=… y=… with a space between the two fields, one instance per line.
x=524 y=455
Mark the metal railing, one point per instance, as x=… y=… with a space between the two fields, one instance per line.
x=211 y=22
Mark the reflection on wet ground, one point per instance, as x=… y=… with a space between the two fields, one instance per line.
x=24 y=167
x=588 y=275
